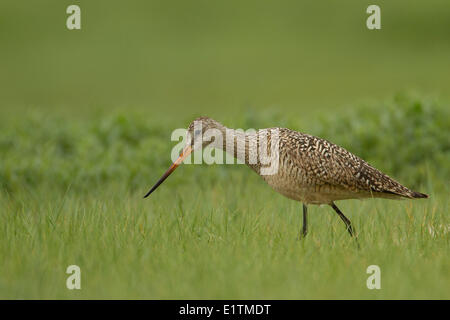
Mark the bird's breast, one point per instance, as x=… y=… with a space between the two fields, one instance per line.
x=307 y=190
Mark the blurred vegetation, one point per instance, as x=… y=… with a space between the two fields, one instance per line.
x=218 y=58
x=82 y=108
x=406 y=137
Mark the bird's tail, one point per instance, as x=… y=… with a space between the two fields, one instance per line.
x=386 y=187
x=418 y=195
x=401 y=194
x=394 y=189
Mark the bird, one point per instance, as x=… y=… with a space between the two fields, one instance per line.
x=309 y=169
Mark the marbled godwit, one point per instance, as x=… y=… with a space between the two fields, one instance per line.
x=310 y=169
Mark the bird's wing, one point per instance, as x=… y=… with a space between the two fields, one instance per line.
x=326 y=163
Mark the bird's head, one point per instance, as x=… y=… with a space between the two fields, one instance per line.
x=200 y=133
x=201 y=130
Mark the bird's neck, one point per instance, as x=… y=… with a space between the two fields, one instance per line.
x=240 y=144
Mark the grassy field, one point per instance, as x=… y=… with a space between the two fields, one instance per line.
x=72 y=194
x=225 y=243
x=86 y=118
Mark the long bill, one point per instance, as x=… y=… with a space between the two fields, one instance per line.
x=186 y=151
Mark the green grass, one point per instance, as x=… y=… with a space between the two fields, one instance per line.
x=72 y=194
x=85 y=124
x=236 y=240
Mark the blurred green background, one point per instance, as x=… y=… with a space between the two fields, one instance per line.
x=86 y=117
x=219 y=57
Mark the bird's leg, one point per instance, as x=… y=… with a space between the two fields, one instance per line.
x=305 y=222
x=344 y=218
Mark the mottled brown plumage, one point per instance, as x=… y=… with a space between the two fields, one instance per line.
x=314 y=170
x=310 y=169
